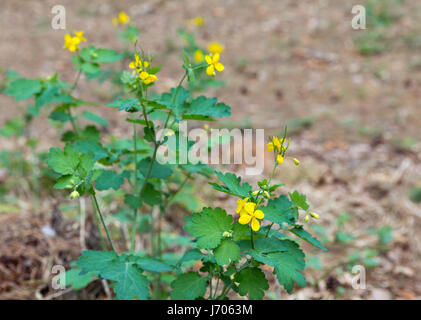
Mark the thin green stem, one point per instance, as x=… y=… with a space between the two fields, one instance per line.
x=216 y=289
x=251 y=237
x=210 y=285
x=103 y=222
x=134 y=227
x=98 y=227
x=270 y=227
x=172 y=196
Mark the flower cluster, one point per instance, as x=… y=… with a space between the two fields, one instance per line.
x=248 y=213
x=141 y=66
x=72 y=42
x=121 y=19
x=277 y=146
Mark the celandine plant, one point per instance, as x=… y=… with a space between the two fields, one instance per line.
x=231 y=249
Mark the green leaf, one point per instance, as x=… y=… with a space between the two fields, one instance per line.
x=208 y=107
x=109 y=179
x=299 y=200
x=151 y=196
x=306 y=236
x=240 y=232
x=232 y=186
x=287 y=263
x=53 y=94
x=252 y=283
x=129 y=281
x=280 y=210
x=92 y=260
x=188 y=286
x=64 y=181
x=152 y=265
x=208 y=227
x=95 y=118
x=128 y=105
x=128 y=278
x=93 y=54
x=159 y=171
x=63 y=162
x=22 y=89
x=228 y=251
x=177 y=106
x=91 y=146
x=132 y=201
x=59 y=114
x=270 y=244
x=74 y=278
x=190 y=255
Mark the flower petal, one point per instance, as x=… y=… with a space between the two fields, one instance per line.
x=243 y=212
x=255 y=224
x=249 y=207
x=219 y=66
x=215 y=58
x=279 y=159
x=208 y=59
x=143 y=75
x=270 y=146
x=210 y=70
x=244 y=219
x=259 y=214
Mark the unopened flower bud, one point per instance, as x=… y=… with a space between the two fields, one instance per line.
x=69 y=186
x=296 y=161
x=314 y=215
x=266 y=194
x=255 y=193
x=206 y=127
x=227 y=234
x=74 y=195
x=306 y=219
x=279 y=159
x=72 y=182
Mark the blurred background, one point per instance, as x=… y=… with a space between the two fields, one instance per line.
x=350 y=99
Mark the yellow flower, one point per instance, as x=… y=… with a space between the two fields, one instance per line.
x=198 y=21
x=213 y=62
x=250 y=214
x=198 y=56
x=279 y=159
x=79 y=35
x=276 y=143
x=123 y=17
x=147 y=78
x=138 y=64
x=71 y=43
x=240 y=204
x=216 y=47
